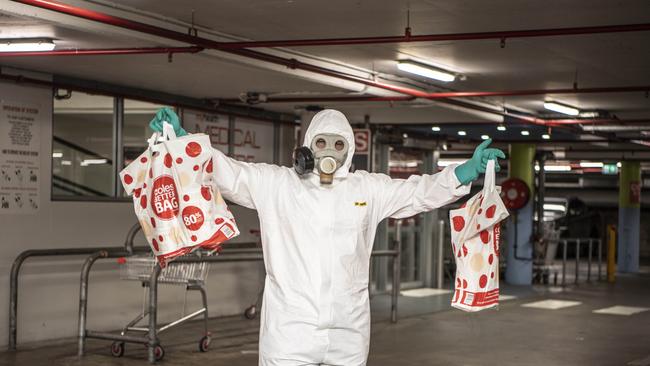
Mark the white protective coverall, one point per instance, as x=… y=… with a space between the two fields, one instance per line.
x=317 y=244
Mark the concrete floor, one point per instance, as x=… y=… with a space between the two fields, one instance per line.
x=429 y=332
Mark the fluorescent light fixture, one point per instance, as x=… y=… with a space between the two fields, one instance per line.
x=425 y=70
x=87 y=162
x=618 y=165
x=484 y=137
x=554 y=207
x=448 y=162
x=591 y=164
x=435 y=128
x=501 y=127
x=405 y=135
x=525 y=133
x=546 y=136
x=26 y=44
x=57 y=155
x=462 y=133
x=561 y=108
x=557 y=168
x=66 y=162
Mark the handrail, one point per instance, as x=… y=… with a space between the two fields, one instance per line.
x=15 y=272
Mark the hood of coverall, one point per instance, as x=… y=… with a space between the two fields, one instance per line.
x=333 y=122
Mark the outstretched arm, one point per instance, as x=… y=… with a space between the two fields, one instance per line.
x=400 y=198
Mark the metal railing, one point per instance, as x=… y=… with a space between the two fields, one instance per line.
x=126 y=250
x=578 y=242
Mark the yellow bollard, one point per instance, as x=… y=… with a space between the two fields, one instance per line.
x=611 y=253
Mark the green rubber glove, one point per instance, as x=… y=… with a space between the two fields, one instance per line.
x=168 y=115
x=470 y=170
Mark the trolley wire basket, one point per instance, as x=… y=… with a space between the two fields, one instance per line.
x=139 y=268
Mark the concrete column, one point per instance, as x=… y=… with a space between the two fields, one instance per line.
x=629 y=216
x=520 y=267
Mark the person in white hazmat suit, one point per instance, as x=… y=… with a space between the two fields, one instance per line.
x=317 y=235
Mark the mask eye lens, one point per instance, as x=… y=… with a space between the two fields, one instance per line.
x=320 y=143
x=339 y=145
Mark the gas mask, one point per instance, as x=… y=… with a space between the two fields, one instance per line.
x=327 y=153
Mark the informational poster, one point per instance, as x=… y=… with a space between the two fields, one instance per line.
x=19 y=157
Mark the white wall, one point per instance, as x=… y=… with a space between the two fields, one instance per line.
x=49 y=287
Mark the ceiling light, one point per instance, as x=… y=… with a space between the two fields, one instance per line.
x=484 y=137
x=405 y=135
x=462 y=133
x=554 y=207
x=557 y=168
x=546 y=136
x=57 y=155
x=561 y=108
x=525 y=133
x=26 y=44
x=447 y=162
x=618 y=165
x=66 y=162
x=425 y=70
x=87 y=162
x=501 y=127
x=435 y=128
x=591 y=164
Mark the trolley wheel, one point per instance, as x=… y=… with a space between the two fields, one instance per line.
x=204 y=344
x=159 y=353
x=251 y=312
x=117 y=349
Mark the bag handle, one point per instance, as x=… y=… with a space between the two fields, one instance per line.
x=168 y=133
x=489 y=183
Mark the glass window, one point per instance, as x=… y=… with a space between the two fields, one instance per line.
x=135 y=130
x=82 y=146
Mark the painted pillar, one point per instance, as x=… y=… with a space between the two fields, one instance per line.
x=520 y=268
x=629 y=216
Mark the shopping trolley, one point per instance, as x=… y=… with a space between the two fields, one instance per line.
x=191 y=275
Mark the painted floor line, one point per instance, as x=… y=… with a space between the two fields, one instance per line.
x=425 y=292
x=621 y=310
x=551 y=304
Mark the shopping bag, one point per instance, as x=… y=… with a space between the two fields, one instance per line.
x=475 y=243
x=175 y=197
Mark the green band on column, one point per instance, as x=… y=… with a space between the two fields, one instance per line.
x=521 y=163
x=629 y=188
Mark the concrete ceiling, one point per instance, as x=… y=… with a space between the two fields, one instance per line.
x=602 y=60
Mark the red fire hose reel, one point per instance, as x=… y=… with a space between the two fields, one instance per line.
x=515 y=193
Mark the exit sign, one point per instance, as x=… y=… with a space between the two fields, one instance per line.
x=610 y=169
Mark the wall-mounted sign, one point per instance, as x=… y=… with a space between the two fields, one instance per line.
x=19 y=157
x=252 y=140
x=361 y=158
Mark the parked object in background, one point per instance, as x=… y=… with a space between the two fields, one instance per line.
x=475 y=242
x=175 y=197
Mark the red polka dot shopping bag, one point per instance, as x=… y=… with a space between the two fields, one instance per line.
x=475 y=244
x=176 y=200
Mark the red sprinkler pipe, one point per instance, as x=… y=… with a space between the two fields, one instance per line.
x=104 y=52
x=208 y=43
x=471 y=94
x=407 y=37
